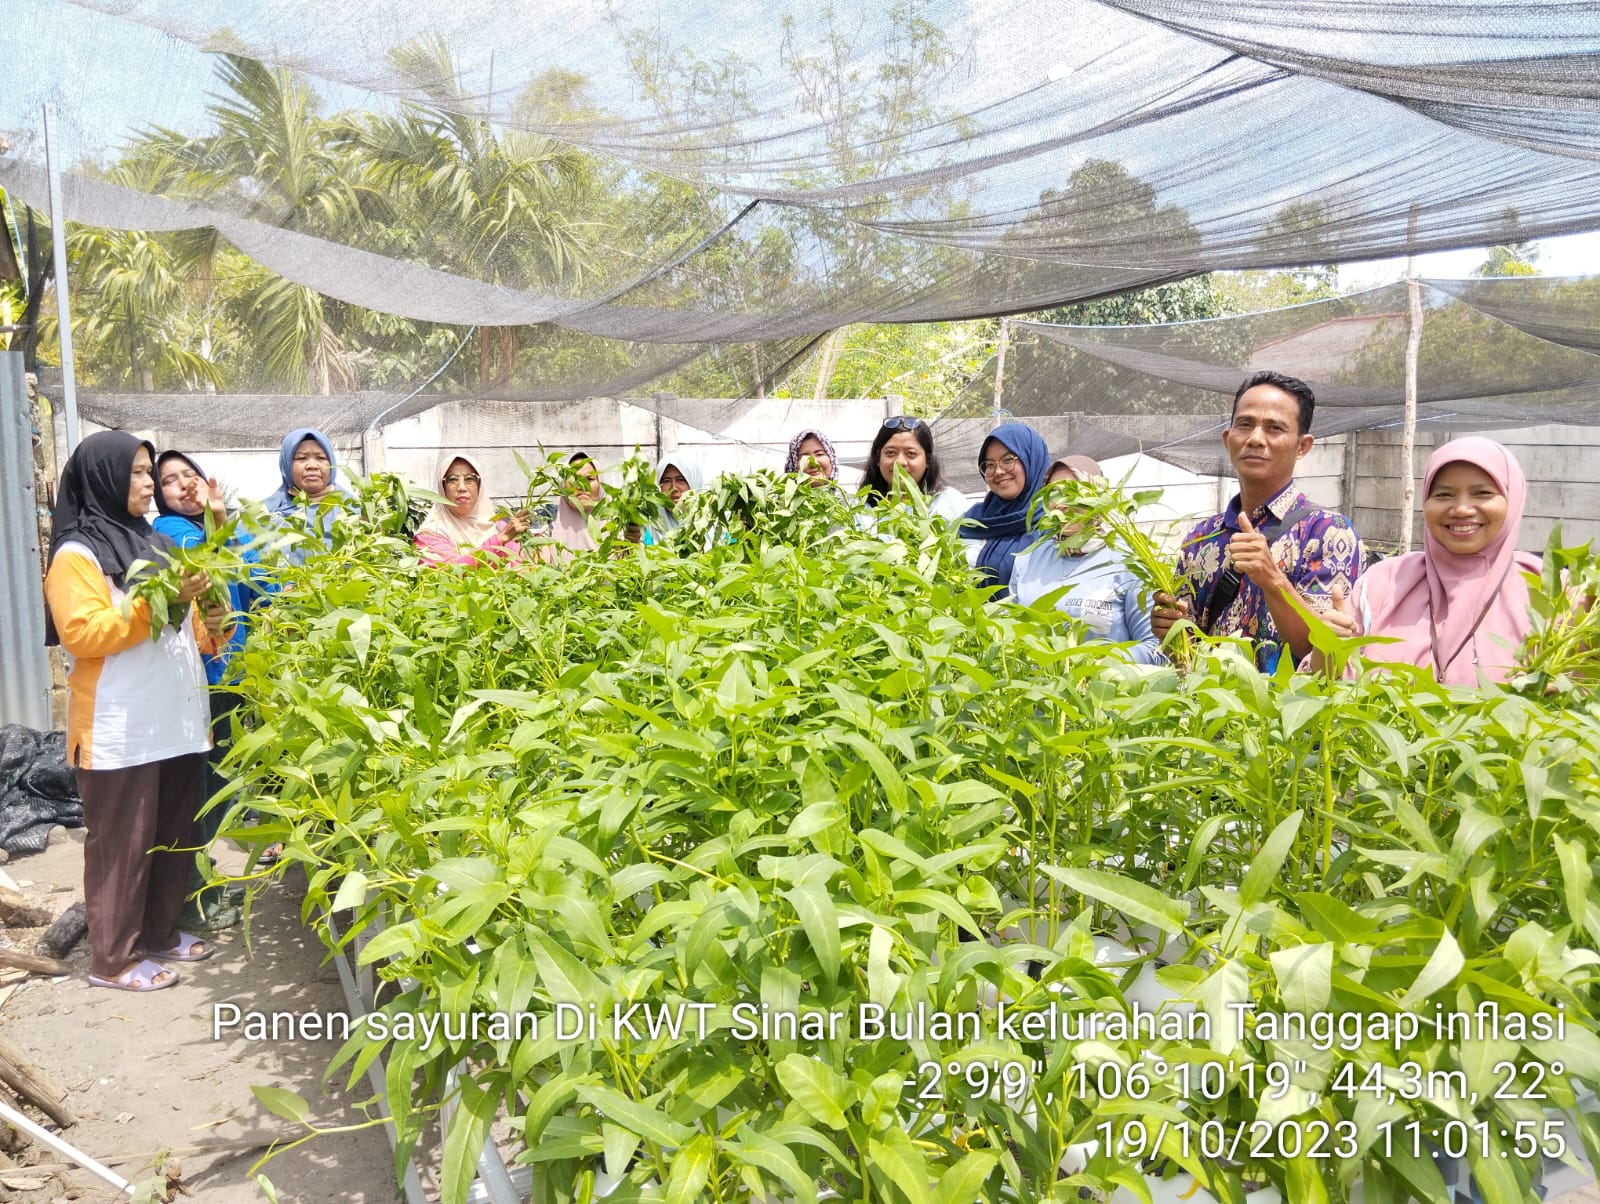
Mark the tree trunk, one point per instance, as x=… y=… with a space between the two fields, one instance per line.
x=828 y=360
x=505 y=355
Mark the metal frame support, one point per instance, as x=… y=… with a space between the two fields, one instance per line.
x=25 y=680
x=58 y=242
x=494 y=1184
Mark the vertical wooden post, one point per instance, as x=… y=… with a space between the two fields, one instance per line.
x=1408 y=436
x=1000 y=365
x=1347 y=483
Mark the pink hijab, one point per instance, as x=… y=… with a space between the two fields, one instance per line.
x=1457 y=614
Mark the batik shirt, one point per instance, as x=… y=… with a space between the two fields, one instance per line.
x=1318 y=552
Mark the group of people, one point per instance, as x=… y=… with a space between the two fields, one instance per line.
x=145 y=713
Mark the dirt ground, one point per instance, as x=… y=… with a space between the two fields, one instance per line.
x=144 y=1073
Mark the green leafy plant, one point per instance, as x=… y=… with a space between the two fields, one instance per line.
x=1100 y=507
x=795 y=767
x=1560 y=653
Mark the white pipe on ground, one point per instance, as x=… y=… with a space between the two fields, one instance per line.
x=12 y=1117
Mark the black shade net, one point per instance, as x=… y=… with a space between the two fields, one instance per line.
x=1494 y=354
x=692 y=173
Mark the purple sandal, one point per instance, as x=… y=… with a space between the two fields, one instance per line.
x=141 y=976
x=185 y=952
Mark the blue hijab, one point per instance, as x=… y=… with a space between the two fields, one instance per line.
x=1003 y=525
x=282 y=501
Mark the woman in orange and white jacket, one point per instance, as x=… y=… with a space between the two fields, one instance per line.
x=138 y=723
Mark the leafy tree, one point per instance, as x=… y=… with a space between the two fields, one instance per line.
x=1255 y=292
x=1466 y=353
x=1181 y=301
x=1510 y=259
x=926 y=363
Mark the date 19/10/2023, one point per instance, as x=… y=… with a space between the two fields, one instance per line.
x=1318 y=1138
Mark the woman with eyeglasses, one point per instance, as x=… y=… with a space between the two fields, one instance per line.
x=906 y=444
x=461 y=528
x=1012 y=461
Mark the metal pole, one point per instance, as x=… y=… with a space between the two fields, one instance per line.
x=25 y=675
x=58 y=237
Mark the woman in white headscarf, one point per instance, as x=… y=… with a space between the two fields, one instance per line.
x=461 y=529
x=676 y=478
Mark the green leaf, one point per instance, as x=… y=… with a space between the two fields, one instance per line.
x=894 y=787
x=280 y=1101
x=646 y=1121
x=901 y=1165
x=820 y=1093
x=1138 y=902
x=735 y=693
x=1264 y=868
x=352 y=892
x=820 y=919
x=691 y=1168
x=1303 y=1178
x=1305 y=976
x=460 y=873
x=963 y=1182
x=1576 y=876
x=1298 y=710
x=359 y=633
x=757 y=1149
x=463 y=1144
x=1440 y=971
x=620 y=1143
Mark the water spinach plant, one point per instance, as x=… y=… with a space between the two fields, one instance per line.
x=773 y=838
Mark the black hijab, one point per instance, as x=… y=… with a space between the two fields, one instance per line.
x=161 y=496
x=92 y=505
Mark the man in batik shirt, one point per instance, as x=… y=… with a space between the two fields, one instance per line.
x=1241 y=567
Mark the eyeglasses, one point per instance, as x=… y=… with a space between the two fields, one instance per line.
x=455 y=479
x=990 y=467
x=902 y=423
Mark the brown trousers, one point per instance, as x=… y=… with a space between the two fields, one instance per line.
x=132 y=895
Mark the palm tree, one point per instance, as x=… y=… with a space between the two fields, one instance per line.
x=276 y=159
x=492 y=204
x=144 y=305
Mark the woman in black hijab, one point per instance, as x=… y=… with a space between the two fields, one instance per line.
x=138 y=723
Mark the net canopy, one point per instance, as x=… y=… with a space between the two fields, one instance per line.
x=1494 y=353
x=709 y=177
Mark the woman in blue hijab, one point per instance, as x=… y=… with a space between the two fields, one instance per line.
x=308 y=469
x=310 y=475
x=1013 y=462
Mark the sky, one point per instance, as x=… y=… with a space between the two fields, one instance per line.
x=1570 y=255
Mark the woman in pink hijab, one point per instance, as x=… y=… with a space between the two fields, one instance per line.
x=1459 y=606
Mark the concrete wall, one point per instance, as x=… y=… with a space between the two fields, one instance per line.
x=496 y=432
